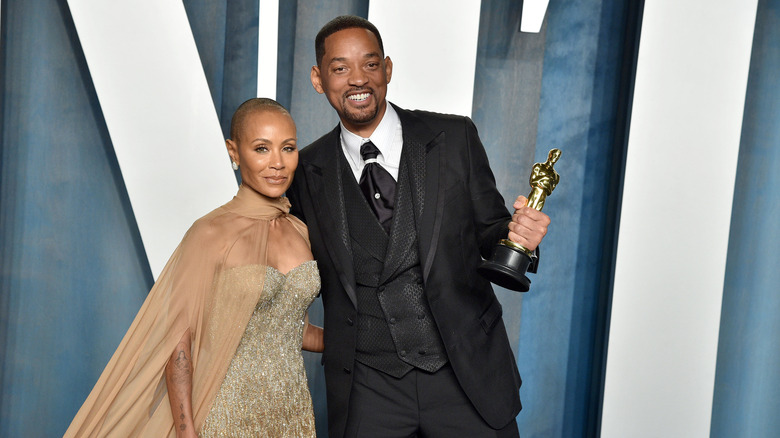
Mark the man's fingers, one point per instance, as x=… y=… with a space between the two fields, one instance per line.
x=520 y=202
x=526 y=214
x=528 y=237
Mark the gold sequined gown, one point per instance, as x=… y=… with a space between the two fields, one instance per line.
x=265 y=393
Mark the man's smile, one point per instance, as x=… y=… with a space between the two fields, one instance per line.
x=360 y=97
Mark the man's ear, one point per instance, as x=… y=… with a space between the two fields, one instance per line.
x=388 y=68
x=316 y=80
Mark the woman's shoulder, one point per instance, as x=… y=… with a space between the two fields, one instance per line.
x=210 y=228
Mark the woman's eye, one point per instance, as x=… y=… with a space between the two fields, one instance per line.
x=261 y=149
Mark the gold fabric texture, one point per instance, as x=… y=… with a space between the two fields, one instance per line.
x=265 y=393
x=130 y=398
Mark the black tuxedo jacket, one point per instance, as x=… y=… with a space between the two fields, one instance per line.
x=463 y=216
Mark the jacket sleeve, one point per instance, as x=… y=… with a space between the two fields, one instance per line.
x=491 y=218
x=490 y=212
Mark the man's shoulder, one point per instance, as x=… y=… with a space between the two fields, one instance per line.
x=437 y=121
x=432 y=115
x=322 y=145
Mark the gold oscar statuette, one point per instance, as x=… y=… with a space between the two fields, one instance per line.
x=510 y=261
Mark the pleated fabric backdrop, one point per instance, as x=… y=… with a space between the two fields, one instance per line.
x=74 y=270
x=747 y=386
x=589 y=57
x=226 y=36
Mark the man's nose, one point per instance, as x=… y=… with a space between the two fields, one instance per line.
x=358 y=77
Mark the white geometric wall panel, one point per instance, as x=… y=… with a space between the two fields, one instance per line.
x=434 y=52
x=674 y=228
x=160 y=115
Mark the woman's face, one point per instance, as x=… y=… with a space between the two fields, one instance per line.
x=266 y=151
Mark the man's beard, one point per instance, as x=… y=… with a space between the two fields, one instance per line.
x=359 y=116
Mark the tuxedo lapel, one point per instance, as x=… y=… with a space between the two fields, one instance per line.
x=424 y=157
x=327 y=196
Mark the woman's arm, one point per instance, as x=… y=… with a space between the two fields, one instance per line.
x=178 y=378
x=312 y=337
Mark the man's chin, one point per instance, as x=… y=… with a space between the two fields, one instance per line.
x=360 y=118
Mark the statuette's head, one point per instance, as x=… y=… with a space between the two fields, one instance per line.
x=553 y=156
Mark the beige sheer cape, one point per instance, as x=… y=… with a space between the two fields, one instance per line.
x=130 y=398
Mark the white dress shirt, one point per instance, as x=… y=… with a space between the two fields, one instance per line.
x=387 y=137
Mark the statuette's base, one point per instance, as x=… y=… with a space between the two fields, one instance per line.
x=507 y=268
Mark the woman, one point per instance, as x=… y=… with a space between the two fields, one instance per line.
x=215 y=348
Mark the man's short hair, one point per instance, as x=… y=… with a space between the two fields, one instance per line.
x=340 y=23
x=249 y=107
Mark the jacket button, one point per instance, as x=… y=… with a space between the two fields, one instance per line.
x=419 y=281
x=347 y=370
x=421 y=316
x=350 y=322
x=422 y=352
x=392 y=320
x=381 y=288
x=402 y=353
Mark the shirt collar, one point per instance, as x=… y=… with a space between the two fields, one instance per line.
x=383 y=137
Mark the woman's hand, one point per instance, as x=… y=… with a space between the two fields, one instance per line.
x=313 y=337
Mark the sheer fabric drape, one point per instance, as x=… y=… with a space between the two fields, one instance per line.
x=130 y=398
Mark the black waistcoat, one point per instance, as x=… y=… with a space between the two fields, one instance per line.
x=396 y=330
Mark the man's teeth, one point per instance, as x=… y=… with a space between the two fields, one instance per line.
x=358 y=97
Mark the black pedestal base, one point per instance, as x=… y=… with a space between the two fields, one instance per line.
x=507 y=268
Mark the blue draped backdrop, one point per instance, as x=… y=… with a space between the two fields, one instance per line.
x=73 y=271
x=747 y=381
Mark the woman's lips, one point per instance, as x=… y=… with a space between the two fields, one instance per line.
x=275 y=179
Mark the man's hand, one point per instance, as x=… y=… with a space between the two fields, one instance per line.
x=528 y=226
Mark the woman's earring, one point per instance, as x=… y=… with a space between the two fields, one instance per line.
x=235 y=166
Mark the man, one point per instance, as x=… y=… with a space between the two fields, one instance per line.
x=414 y=339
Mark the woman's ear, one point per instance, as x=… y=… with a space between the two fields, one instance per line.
x=232 y=149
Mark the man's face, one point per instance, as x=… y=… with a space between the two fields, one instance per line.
x=354 y=77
